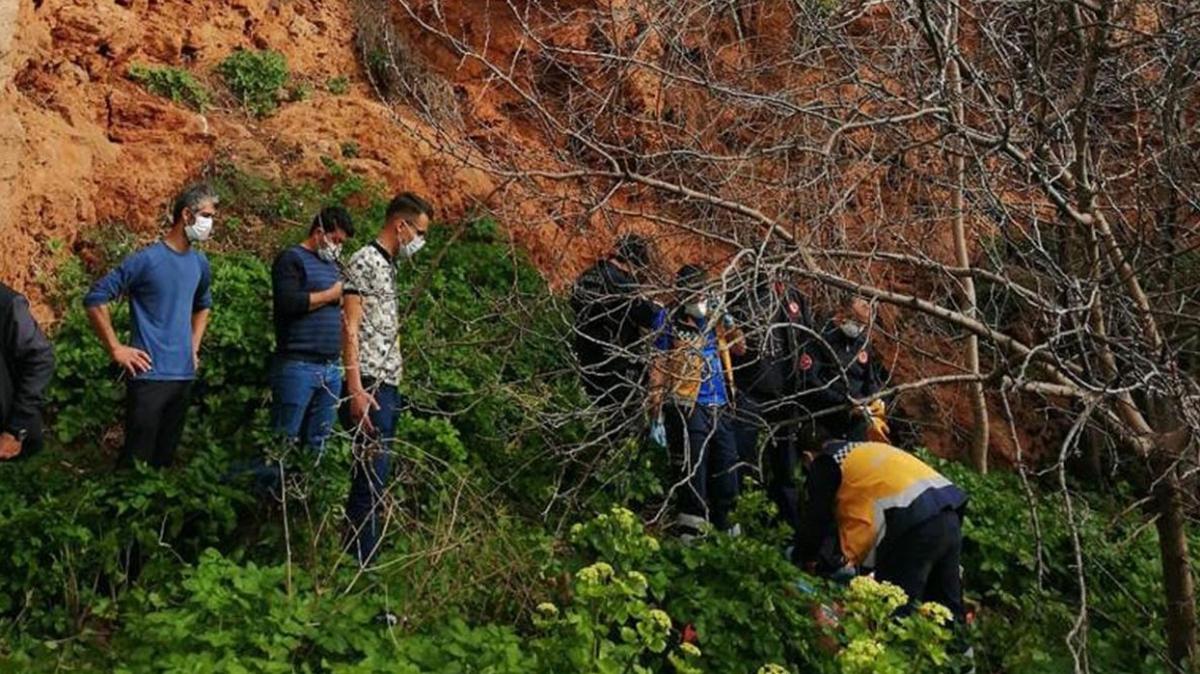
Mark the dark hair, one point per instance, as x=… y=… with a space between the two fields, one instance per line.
x=408 y=205
x=690 y=279
x=191 y=197
x=633 y=249
x=331 y=219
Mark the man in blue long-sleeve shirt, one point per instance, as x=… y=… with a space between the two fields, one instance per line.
x=306 y=376
x=168 y=286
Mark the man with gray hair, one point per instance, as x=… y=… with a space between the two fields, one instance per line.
x=168 y=286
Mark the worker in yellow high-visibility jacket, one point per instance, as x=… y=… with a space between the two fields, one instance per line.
x=873 y=506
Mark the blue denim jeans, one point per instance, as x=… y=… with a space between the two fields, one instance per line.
x=372 y=463
x=305 y=401
x=704 y=448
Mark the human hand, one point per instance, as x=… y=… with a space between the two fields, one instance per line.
x=10 y=446
x=844 y=574
x=132 y=361
x=361 y=404
x=658 y=432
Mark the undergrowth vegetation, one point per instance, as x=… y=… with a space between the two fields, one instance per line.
x=484 y=568
x=176 y=84
x=256 y=78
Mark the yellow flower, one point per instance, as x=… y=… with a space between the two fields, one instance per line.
x=860 y=655
x=624 y=517
x=660 y=617
x=689 y=650
x=935 y=612
x=867 y=589
x=639 y=580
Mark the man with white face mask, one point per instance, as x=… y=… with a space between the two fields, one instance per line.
x=306 y=375
x=692 y=390
x=836 y=370
x=168 y=286
x=371 y=355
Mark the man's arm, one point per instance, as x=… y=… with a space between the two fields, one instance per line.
x=33 y=357
x=361 y=401
x=825 y=378
x=199 y=326
x=115 y=284
x=290 y=297
x=201 y=308
x=817 y=545
x=657 y=377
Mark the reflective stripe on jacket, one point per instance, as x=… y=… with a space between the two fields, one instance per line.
x=885 y=491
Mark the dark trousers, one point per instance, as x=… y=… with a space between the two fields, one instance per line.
x=704 y=449
x=924 y=562
x=780 y=457
x=155 y=412
x=372 y=464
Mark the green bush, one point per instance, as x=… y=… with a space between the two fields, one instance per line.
x=338 y=86
x=255 y=78
x=1028 y=609
x=174 y=83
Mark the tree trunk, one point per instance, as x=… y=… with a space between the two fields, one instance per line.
x=1177 y=576
x=979 y=411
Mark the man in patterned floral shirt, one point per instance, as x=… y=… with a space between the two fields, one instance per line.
x=371 y=354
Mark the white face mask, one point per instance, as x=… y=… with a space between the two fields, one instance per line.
x=200 y=229
x=851 y=329
x=697 y=309
x=330 y=252
x=413 y=247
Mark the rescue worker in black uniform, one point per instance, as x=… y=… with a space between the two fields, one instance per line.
x=26 y=367
x=837 y=369
x=776 y=323
x=612 y=318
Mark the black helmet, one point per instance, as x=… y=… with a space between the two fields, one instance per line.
x=633 y=249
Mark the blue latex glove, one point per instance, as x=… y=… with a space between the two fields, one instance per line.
x=844 y=574
x=805 y=588
x=658 y=432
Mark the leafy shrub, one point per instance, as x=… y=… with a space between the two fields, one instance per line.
x=609 y=627
x=225 y=616
x=878 y=643
x=176 y=84
x=255 y=78
x=299 y=91
x=1028 y=608
x=338 y=86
